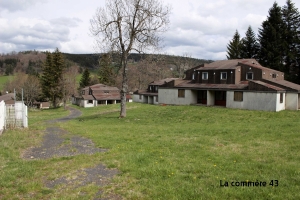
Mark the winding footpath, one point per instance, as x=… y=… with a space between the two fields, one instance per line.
x=55 y=144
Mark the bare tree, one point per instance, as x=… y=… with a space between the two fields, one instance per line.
x=68 y=83
x=124 y=26
x=32 y=90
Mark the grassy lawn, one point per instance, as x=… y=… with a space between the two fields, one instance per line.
x=3 y=80
x=164 y=152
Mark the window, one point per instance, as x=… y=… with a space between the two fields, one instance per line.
x=157 y=99
x=249 y=75
x=106 y=91
x=156 y=88
x=223 y=75
x=140 y=97
x=82 y=92
x=90 y=101
x=193 y=78
x=238 y=96
x=273 y=75
x=204 y=75
x=90 y=92
x=150 y=88
x=181 y=93
x=281 y=97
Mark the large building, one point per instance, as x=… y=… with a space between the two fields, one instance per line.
x=241 y=83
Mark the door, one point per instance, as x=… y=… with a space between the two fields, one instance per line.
x=220 y=98
x=202 y=97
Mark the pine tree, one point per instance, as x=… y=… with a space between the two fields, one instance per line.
x=249 y=45
x=234 y=47
x=106 y=72
x=291 y=18
x=271 y=39
x=52 y=76
x=85 y=79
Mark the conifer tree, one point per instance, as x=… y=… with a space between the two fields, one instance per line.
x=249 y=45
x=85 y=79
x=271 y=39
x=52 y=76
x=106 y=71
x=291 y=18
x=234 y=47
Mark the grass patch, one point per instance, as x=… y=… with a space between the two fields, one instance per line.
x=182 y=152
x=3 y=80
x=163 y=152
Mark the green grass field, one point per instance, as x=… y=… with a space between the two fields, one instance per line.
x=165 y=152
x=3 y=80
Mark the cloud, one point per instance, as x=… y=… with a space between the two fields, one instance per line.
x=15 y=5
x=24 y=34
x=65 y=21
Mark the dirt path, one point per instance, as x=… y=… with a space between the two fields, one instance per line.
x=60 y=143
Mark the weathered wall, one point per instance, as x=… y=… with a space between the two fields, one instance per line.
x=2 y=116
x=267 y=101
x=291 y=102
x=88 y=105
x=170 y=96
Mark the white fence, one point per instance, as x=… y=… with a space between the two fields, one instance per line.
x=13 y=116
x=2 y=116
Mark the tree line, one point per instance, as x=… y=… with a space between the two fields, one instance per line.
x=277 y=44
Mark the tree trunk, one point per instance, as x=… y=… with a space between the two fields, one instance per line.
x=124 y=87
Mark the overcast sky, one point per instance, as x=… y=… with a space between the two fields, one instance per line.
x=198 y=28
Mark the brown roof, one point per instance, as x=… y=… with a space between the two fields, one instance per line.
x=188 y=84
x=287 y=84
x=107 y=96
x=102 y=87
x=145 y=92
x=7 y=97
x=268 y=85
x=88 y=97
x=222 y=64
x=232 y=64
x=163 y=81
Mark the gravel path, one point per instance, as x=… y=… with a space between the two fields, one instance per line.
x=60 y=143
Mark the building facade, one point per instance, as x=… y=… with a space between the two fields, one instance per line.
x=241 y=83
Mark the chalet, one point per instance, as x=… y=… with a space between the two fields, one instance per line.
x=241 y=83
x=98 y=94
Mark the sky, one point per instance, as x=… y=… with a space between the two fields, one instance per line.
x=198 y=28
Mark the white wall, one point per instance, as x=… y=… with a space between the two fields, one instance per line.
x=291 y=102
x=256 y=101
x=2 y=116
x=210 y=98
x=88 y=105
x=155 y=100
x=170 y=96
x=136 y=98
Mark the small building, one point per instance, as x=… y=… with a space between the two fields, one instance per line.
x=9 y=98
x=41 y=105
x=98 y=94
x=240 y=83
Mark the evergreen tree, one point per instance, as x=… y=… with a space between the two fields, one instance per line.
x=234 y=47
x=291 y=18
x=271 y=39
x=249 y=45
x=106 y=72
x=85 y=79
x=52 y=76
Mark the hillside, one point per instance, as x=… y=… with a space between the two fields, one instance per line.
x=27 y=61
